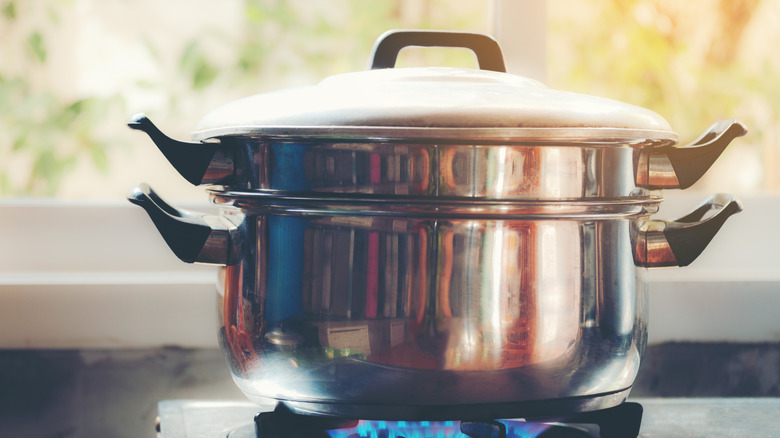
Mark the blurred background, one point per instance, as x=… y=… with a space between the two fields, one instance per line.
x=96 y=328
x=73 y=71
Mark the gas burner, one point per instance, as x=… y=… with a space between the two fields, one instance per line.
x=621 y=421
x=660 y=417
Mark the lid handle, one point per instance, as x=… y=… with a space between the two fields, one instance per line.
x=389 y=44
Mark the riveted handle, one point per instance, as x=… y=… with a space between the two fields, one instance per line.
x=679 y=242
x=193 y=237
x=389 y=44
x=681 y=166
x=198 y=163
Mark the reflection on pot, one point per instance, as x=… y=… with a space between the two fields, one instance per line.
x=237 y=332
x=413 y=293
x=496 y=314
x=327 y=294
x=511 y=171
x=392 y=169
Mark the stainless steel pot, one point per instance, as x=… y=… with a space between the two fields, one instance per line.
x=366 y=308
x=435 y=243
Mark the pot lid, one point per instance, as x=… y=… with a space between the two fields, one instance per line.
x=450 y=104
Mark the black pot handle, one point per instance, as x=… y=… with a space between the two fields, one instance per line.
x=389 y=44
x=198 y=163
x=681 y=241
x=681 y=166
x=193 y=237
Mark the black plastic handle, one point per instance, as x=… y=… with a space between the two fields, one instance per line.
x=681 y=166
x=190 y=159
x=186 y=233
x=389 y=44
x=679 y=242
x=690 y=234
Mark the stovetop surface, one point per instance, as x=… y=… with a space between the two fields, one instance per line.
x=663 y=417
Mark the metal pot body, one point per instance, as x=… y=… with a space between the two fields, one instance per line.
x=388 y=308
x=498 y=171
x=352 y=313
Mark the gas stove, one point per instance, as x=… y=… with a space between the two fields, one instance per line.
x=649 y=417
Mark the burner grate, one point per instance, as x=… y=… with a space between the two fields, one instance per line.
x=621 y=421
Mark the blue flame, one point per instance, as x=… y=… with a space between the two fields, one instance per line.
x=429 y=429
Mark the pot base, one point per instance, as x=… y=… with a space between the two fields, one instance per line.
x=551 y=408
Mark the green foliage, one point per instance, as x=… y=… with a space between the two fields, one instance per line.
x=654 y=66
x=9 y=11
x=51 y=133
x=195 y=64
x=42 y=130
x=317 y=40
x=657 y=55
x=35 y=42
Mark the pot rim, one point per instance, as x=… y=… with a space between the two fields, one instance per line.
x=564 y=136
x=422 y=207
